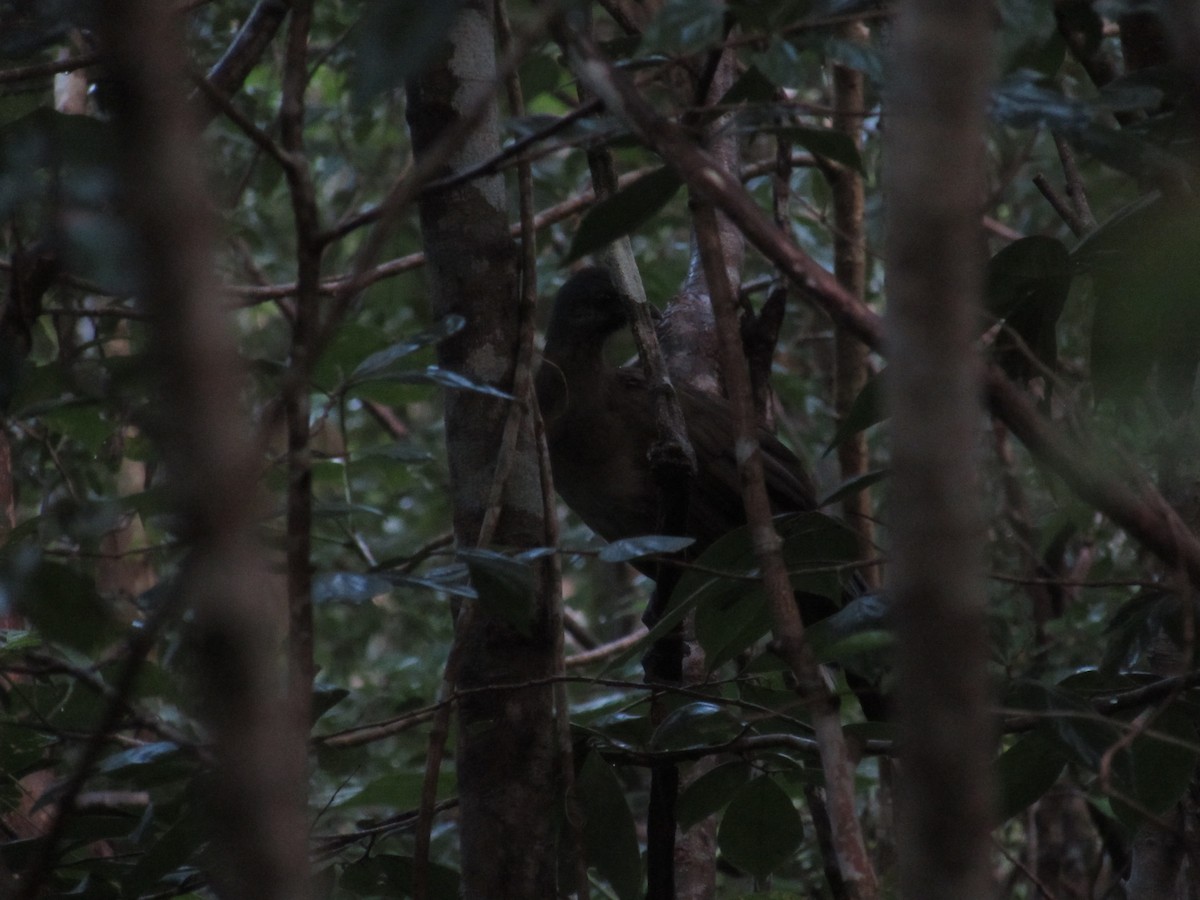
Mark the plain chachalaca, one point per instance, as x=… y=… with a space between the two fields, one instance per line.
x=600 y=427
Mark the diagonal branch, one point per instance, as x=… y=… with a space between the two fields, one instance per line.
x=1141 y=511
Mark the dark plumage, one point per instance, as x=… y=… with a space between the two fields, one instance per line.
x=600 y=426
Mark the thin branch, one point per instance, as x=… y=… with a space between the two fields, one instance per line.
x=1061 y=205
x=54 y=67
x=1141 y=511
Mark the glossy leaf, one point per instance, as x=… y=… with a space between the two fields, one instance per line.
x=383 y=360
x=649 y=545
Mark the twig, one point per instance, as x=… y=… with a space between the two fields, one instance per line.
x=1062 y=206
x=54 y=67
x=1076 y=191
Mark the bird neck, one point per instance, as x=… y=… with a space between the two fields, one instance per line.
x=574 y=368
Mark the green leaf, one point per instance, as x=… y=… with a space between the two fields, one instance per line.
x=64 y=607
x=383 y=360
x=683 y=27
x=1073 y=724
x=396 y=41
x=174 y=847
x=695 y=724
x=388 y=875
x=1025 y=771
x=1027 y=286
x=325 y=697
x=627 y=549
x=623 y=212
x=866 y=614
x=866 y=410
x=396 y=790
x=349 y=587
x=836 y=146
x=711 y=793
x=731 y=607
x=609 y=832
x=1164 y=759
x=852 y=486
x=505 y=587
x=752 y=86
x=761 y=829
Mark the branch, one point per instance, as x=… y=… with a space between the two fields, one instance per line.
x=1143 y=513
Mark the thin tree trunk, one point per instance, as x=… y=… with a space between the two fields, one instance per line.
x=506 y=740
x=850 y=266
x=933 y=183
x=257 y=792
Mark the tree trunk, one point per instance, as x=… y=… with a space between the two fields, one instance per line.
x=933 y=181
x=506 y=747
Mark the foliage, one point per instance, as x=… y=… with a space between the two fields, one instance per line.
x=1101 y=327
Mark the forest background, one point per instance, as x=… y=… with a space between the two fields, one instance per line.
x=280 y=575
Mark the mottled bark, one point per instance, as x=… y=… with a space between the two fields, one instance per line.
x=506 y=746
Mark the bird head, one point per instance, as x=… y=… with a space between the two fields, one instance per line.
x=588 y=305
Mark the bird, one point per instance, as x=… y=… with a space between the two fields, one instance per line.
x=601 y=426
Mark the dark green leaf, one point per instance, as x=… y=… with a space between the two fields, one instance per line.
x=623 y=212
x=649 y=545
x=380 y=362
x=1027 y=286
x=325 y=697
x=1073 y=723
x=852 y=486
x=761 y=829
x=396 y=790
x=1164 y=759
x=696 y=724
x=609 y=833
x=1026 y=770
x=710 y=793
x=505 y=587
x=835 y=146
x=866 y=614
x=752 y=86
x=683 y=27
x=387 y=875
x=866 y=410
x=174 y=847
x=398 y=40
x=64 y=607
